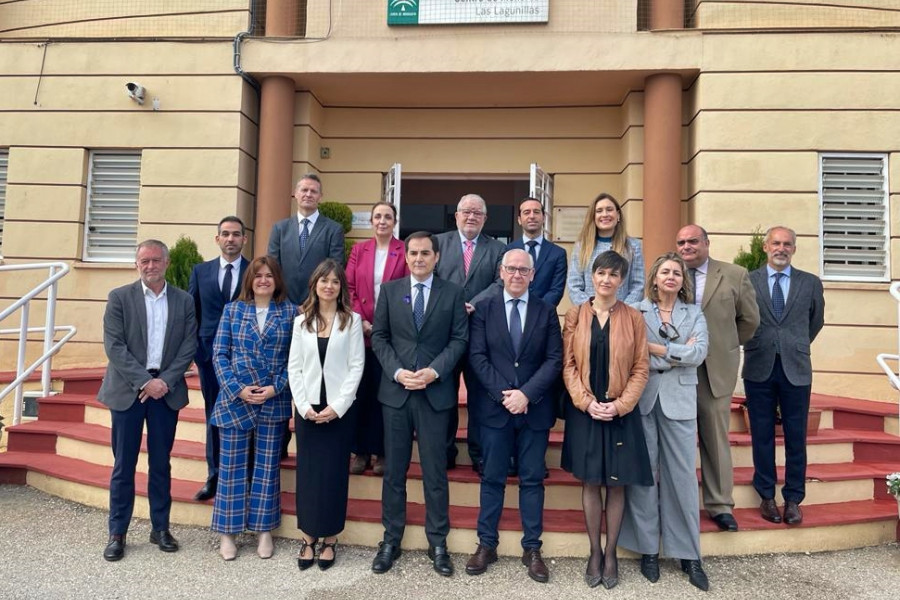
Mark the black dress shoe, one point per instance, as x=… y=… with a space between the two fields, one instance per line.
x=769 y=511
x=441 y=559
x=115 y=548
x=326 y=563
x=725 y=522
x=792 y=513
x=650 y=567
x=478 y=562
x=305 y=563
x=695 y=573
x=208 y=491
x=164 y=540
x=385 y=557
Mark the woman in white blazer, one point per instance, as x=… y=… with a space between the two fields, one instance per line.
x=324 y=370
x=670 y=509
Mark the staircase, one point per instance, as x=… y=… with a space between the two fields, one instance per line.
x=66 y=453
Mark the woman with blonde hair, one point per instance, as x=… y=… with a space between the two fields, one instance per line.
x=604 y=229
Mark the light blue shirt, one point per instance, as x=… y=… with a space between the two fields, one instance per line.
x=522 y=307
x=312 y=221
x=785 y=281
x=537 y=249
x=463 y=239
x=413 y=291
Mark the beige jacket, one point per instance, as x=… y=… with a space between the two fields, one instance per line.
x=629 y=358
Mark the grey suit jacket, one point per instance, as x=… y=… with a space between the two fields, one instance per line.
x=673 y=378
x=439 y=344
x=801 y=321
x=483 y=270
x=326 y=240
x=125 y=342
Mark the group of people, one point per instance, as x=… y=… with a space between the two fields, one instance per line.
x=370 y=358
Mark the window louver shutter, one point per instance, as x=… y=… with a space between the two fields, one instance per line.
x=854 y=217
x=112 y=216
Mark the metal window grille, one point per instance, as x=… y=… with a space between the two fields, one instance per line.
x=4 y=166
x=854 y=208
x=114 y=186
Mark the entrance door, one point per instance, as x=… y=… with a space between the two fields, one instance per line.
x=541 y=188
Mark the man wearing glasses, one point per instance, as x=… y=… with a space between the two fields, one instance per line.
x=726 y=296
x=471 y=260
x=515 y=353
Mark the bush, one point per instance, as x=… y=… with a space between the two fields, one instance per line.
x=344 y=217
x=756 y=257
x=182 y=258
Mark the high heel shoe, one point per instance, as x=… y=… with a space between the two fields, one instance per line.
x=593 y=580
x=326 y=563
x=265 y=547
x=613 y=580
x=227 y=547
x=305 y=563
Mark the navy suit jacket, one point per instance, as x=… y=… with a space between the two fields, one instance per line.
x=549 y=281
x=208 y=303
x=537 y=366
x=326 y=240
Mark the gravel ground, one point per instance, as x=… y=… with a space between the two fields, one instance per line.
x=52 y=548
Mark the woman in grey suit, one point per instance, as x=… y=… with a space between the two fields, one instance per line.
x=670 y=509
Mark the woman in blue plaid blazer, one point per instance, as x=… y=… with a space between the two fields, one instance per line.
x=250 y=356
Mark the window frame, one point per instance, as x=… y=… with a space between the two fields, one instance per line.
x=87 y=249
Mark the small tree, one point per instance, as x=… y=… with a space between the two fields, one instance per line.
x=756 y=257
x=342 y=214
x=182 y=258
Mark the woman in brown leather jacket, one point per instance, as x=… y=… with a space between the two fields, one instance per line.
x=605 y=369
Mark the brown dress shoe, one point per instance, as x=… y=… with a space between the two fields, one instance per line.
x=478 y=562
x=358 y=464
x=537 y=570
x=792 y=513
x=769 y=511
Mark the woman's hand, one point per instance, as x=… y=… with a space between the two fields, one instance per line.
x=656 y=349
x=602 y=411
x=311 y=415
x=256 y=395
x=367 y=328
x=326 y=416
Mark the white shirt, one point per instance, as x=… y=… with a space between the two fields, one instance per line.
x=700 y=277
x=312 y=221
x=537 y=249
x=157 y=315
x=235 y=271
x=413 y=291
x=463 y=239
x=380 y=262
x=261 y=314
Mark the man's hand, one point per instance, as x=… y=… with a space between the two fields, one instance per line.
x=470 y=308
x=156 y=388
x=409 y=381
x=515 y=402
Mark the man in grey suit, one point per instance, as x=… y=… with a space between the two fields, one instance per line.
x=301 y=242
x=471 y=260
x=724 y=293
x=420 y=333
x=778 y=371
x=150 y=335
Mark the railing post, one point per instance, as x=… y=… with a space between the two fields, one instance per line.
x=20 y=364
x=49 y=330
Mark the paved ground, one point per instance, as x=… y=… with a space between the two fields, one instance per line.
x=51 y=548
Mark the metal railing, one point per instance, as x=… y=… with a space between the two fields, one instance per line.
x=882 y=359
x=58 y=270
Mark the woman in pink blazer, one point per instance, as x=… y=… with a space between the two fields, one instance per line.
x=371 y=263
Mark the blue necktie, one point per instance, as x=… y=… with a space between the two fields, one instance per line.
x=515 y=326
x=304 y=234
x=226 y=284
x=419 y=306
x=532 y=250
x=777 y=297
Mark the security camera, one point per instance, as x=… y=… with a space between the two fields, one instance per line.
x=135 y=91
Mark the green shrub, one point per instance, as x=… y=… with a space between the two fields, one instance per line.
x=756 y=257
x=182 y=258
x=344 y=217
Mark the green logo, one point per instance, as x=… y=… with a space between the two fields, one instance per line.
x=403 y=12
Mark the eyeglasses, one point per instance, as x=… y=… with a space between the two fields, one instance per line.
x=667 y=331
x=472 y=213
x=691 y=241
x=523 y=271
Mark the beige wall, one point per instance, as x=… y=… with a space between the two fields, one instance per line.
x=765 y=14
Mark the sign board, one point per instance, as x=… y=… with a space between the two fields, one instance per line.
x=567 y=221
x=458 y=12
x=362 y=220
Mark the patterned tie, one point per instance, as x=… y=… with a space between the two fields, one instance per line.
x=778 y=297
x=304 y=234
x=467 y=255
x=419 y=306
x=532 y=250
x=693 y=273
x=226 y=284
x=515 y=326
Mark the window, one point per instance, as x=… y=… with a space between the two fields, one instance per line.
x=4 y=165
x=854 y=200
x=114 y=186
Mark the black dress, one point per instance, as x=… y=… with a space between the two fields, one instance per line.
x=604 y=452
x=323 y=468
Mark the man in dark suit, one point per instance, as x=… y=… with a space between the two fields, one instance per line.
x=419 y=334
x=301 y=242
x=149 y=334
x=778 y=371
x=550 y=262
x=213 y=284
x=724 y=293
x=471 y=260
x=515 y=352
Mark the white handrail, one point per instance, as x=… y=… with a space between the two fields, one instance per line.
x=882 y=358
x=58 y=270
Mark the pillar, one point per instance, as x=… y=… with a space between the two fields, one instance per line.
x=666 y=14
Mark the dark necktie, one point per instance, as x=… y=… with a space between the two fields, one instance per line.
x=226 y=284
x=532 y=250
x=693 y=273
x=778 y=297
x=419 y=306
x=515 y=326
x=304 y=234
